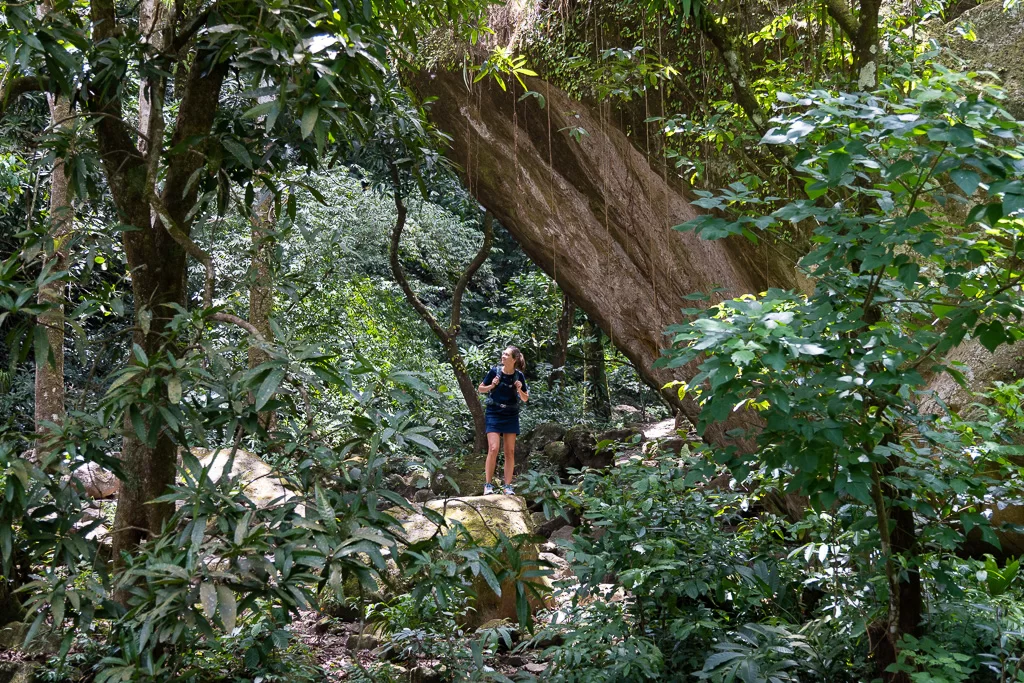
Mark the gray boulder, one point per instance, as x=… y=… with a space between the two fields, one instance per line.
x=98 y=482
x=545 y=433
x=581 y=444
x=557 y=453
x=17 y=672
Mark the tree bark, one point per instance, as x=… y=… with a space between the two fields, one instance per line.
x=156 y=257
x=49 y=382
x=562 y=336
x=595 y=375
x=598 y=219
x=862 y=32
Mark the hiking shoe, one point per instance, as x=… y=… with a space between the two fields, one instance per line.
x=488 y=489
x=509 y=491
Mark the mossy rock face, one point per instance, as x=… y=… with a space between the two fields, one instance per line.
x=18 y=672
x=998 y=47
x=582 y=445
x=557 y=453
x=469 y=477
x=543 y=434
x=483 y=517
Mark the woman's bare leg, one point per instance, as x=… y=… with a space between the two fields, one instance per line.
x=510 y=456
x=492 y=456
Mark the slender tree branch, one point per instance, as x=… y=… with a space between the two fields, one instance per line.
x=460 y=288
x=181 y=40
x=232 y=319
x=841 y=12
x=396 y=265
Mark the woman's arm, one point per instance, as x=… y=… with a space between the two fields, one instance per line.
x=524 y=396
x=486 y=388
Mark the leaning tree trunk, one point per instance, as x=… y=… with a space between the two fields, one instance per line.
x=597 y=218
x=49 y=384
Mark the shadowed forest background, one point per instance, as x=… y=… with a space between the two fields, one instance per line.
x=763 y=261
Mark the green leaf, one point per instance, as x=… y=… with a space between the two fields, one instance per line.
x=325 y=510
x=238 y=152
x=228 y=607
x=743 y=357
x=281 y=638
x=208 y=598
x=174 y=389
x=309 y=117
x=269 y=387
x=1012 y=203
x=966 y=180
x=838 y=162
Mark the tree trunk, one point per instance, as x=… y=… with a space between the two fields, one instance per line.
x=49 y=384
x=469 y=393
x=561 y=354
x=598 y=212
x=261 y=287
x=148 y=471
x=594 y=373
x=866 y=53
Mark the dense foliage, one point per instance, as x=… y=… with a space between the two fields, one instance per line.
x=225 y=292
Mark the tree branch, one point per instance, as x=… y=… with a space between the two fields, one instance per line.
x=843 y=15
x=396 y=266
x=481 y=256
x=179 y=235
x=232 y=319
x=19 y=86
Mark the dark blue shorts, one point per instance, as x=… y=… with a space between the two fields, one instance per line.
x=501 y=423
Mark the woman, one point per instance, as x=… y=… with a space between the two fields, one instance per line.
x=506 y=386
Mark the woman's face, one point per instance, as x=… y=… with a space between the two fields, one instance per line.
x=506 y=357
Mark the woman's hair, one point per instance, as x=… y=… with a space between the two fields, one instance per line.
x=517 y=355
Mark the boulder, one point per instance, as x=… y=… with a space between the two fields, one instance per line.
x=17 y=672
x=423 y=495
x=363 y=641
x=257 y=479
x=469 y=478
x=98 y=482
x=550 y=526
x=522 y=456
x=12 y=637
x=581 y=444
x=483 y=517
x=425 y=674
x=561 y=566
x=495 y=639
x=1011 y=542
x=672 y=445
x=625 y=413
x=622 y=435
x=562 y=533
x=545 y=433
x=557 y=453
